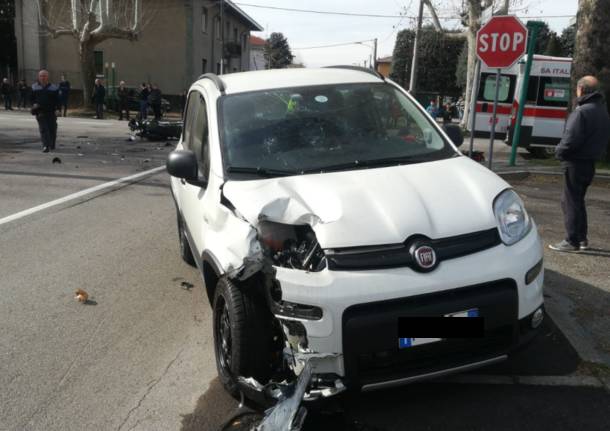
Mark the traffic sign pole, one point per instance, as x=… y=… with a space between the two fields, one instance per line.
x=493 y=119
x=473 y=104
x=533 y=27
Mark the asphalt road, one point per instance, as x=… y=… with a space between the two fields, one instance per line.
x=139 y=356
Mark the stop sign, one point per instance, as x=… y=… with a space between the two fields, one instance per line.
x=501 y=42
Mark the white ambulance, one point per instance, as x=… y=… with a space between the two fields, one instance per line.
x=546 y=106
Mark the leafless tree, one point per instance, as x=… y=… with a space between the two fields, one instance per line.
x=91 y=22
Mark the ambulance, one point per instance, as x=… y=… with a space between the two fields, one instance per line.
x=546 y=105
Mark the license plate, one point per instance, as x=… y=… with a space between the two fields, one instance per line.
x=405 y=343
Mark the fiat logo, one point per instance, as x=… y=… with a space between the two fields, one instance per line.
x=425 y=256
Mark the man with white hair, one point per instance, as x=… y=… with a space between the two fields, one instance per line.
x=584 y=140
x=45 y=104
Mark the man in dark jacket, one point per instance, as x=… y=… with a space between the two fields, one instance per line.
x=64 y=94
x=584 y=140
x=45 y=103
x=99 y=94
x=144 y=92
x=7 y=94
x=123 y=99
x=154 y=99
x=22 y=88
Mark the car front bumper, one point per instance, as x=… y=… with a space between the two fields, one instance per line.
x=360 y=311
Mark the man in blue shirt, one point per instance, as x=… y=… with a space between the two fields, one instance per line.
x=45 y=104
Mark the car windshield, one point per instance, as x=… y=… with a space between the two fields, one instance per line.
x=312 y=129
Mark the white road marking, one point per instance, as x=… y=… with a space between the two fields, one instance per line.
x=80 y=194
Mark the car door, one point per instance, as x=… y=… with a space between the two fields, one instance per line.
x=196 y=139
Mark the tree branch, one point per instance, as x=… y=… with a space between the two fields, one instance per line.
x=435 y=20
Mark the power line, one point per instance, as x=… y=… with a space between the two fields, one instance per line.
x=364 y=15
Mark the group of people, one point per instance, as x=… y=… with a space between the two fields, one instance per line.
x=23 y=94
x=149 y=96
x=447 y=111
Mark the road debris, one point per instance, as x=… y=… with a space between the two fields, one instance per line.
x=81 y=295
x=186 y=285
x=56 y=160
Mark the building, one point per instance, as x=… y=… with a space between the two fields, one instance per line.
x=257 y=53
x=384 y=66
x=179 y=40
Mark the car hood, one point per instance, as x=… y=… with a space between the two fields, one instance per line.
x=376 y=206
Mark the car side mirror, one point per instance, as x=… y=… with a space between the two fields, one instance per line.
x=455 y=134
x=183 y=164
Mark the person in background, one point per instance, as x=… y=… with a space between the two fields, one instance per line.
x=144 y=92
x=45 y=104
x=64 y=93
x=99 y=94
x=447 y=113
x=7 y=93
x=431 y=109
x=584 y=141
x=22 y=89
x=123 y=95
x=154 y=98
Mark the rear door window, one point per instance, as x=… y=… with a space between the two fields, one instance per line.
x=487 y=88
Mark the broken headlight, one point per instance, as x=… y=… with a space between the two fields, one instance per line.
x=292 y=246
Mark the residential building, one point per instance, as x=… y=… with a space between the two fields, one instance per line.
x=179 y=40
x=257 y=53
x=384 y=66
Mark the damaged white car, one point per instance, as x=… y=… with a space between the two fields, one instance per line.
x=323 y=207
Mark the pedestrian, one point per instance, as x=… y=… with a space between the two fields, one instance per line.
x=154 y=99
x=431 y=109
x=7 y=93
x=144 y=92
x=45 y=104
x=446 y=115
x=99 y=94
x=64 y=93
x=22 y=89
x=123 y=95
x=584 y=140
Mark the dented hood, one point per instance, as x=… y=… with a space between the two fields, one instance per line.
x=376 y=206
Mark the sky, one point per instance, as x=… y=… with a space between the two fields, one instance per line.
x=305 y=30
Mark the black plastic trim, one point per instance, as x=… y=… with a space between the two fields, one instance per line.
x=399 y=255
x=216 y=80
x=358 y=69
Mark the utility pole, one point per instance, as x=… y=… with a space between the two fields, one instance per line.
x=222 y=37
x=374 y=65
x=413 y=81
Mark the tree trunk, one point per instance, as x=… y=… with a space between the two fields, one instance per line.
x=592 y=51
x=87 y=69
x=474 y=20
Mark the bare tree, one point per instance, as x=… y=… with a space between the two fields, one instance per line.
x=91 y=22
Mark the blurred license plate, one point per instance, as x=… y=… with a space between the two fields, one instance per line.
x=404 y=343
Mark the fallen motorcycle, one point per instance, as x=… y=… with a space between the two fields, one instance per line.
x=155 y=130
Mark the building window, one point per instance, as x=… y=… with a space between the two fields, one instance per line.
x=204 y=20
x=99 y=62
x=218 y=68
x=228 y=31
x=217 y=28
x=204 y=65
x=235 y=34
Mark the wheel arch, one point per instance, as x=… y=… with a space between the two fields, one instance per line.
x=211 y=272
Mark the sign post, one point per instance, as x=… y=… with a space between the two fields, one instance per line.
x=500 y=43
x=534 y=26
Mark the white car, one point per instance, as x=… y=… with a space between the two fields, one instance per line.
x=335 y=224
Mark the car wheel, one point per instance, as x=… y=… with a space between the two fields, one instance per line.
x=242 y=335
x=185 y=248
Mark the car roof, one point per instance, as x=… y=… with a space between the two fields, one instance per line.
x=283 y=78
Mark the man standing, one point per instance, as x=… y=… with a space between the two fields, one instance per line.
x=7 y=91
x=585 y=137
x=45 y=103
x=64 y=94
x=154 y=98
x=123 y=95
x=144 y=92
x=99 y=94
x=431 y=109
x=22 y=88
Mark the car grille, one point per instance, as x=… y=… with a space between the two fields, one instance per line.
x=398 y=255
x=370 y=333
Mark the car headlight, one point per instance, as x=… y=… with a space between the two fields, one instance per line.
x=513 y=221
x=292 y=246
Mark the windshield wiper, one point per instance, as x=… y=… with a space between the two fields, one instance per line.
x=261 y=172
x=369 y=163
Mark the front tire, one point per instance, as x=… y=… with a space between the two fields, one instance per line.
x=242 y=335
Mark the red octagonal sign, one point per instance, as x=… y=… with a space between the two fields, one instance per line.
x=501 y=42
